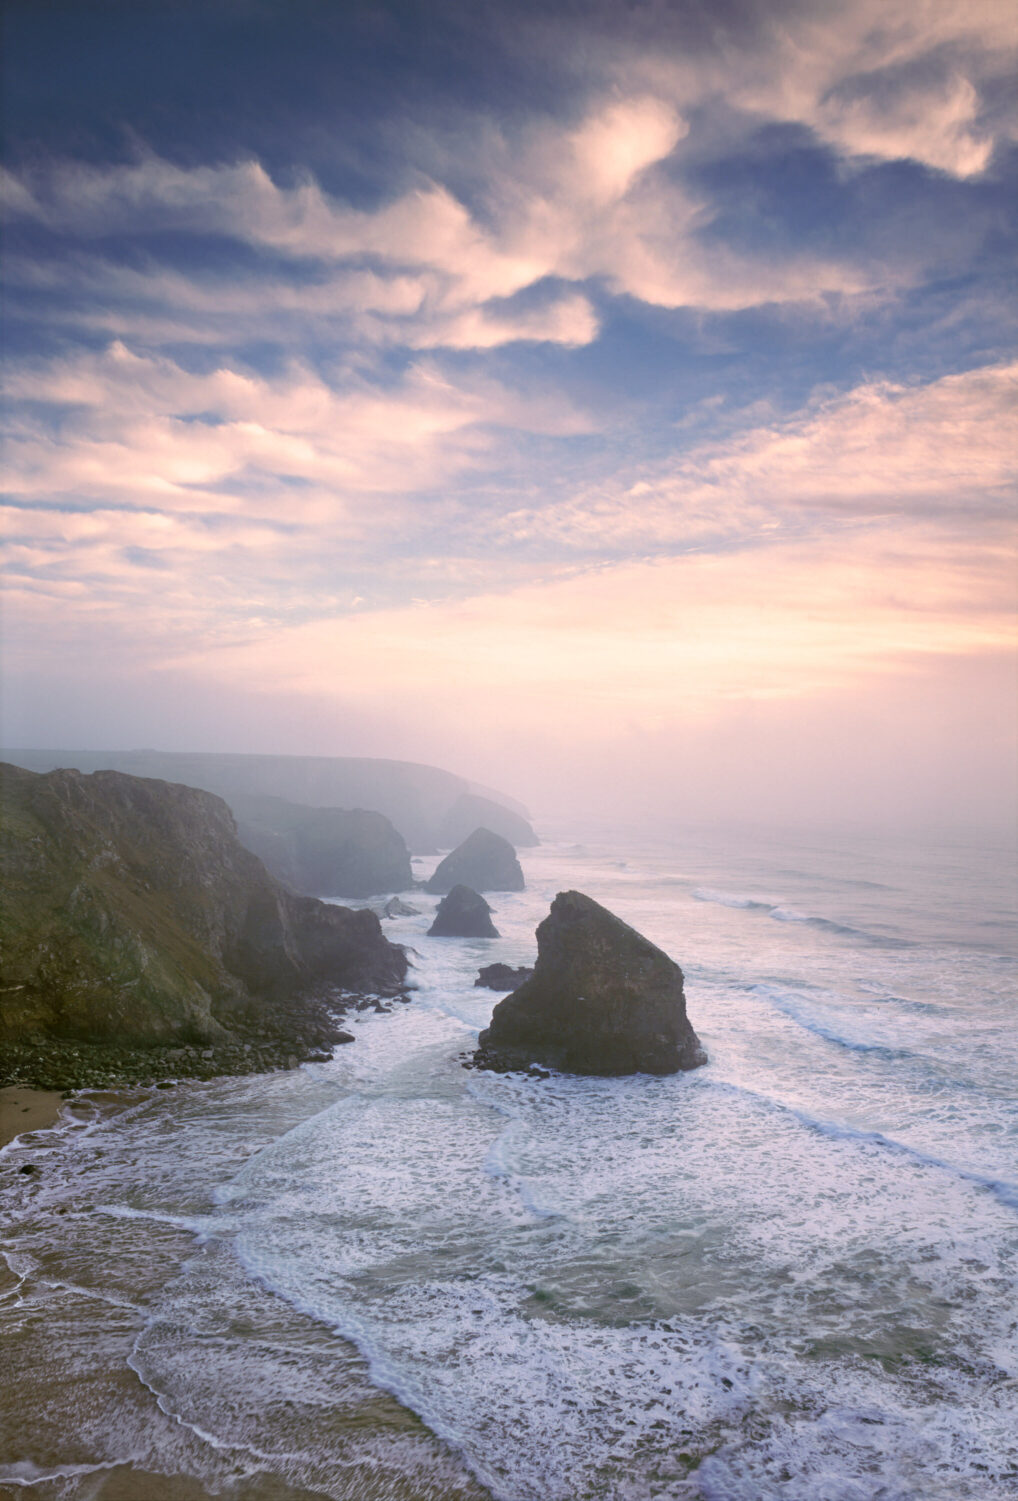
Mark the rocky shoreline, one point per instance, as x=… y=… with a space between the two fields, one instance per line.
x=307 y=1034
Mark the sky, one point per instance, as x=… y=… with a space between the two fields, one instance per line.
x=611 y=402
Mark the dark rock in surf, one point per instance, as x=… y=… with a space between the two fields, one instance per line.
x=394 y=907
x=602 y=1000
x=484 y=862
x=463 y=914
x=502 y=976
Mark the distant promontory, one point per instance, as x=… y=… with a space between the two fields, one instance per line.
x=432 y=809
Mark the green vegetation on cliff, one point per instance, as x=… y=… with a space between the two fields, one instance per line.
x=133 y=916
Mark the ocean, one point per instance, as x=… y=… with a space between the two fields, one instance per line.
x=789 y=1274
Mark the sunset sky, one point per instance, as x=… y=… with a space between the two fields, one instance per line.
x=613 y=403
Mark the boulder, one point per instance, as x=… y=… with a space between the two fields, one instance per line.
x=471 y=811
x=602 y=1000
x=502 y=976
x=463 y=914
x=484 y=861
x=396 y=908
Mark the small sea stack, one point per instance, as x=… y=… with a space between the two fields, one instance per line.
x=395 y=907
x=463 y=914
x=602 y=1000
x=502 y=976
x=484 y=862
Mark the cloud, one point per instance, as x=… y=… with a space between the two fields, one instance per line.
x=142 y=431
x=576 y=203
x=677 y=637
x=269 y=499
x=877 y=80
x=940 y=449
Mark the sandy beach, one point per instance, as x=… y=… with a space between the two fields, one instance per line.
x=24 y=1109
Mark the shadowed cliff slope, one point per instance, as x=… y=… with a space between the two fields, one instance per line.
x=324 y=851
x=132 y=912
x=471 y=811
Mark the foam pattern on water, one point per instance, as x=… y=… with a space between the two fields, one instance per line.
x=791 y=1274
x=574 y=1281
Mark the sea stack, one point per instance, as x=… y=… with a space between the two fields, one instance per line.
x=463 y=914
x=484 y=862
x=602 y=1000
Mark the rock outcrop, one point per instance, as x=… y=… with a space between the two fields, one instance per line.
x=471 y=811
x=324 y=851
x=502 y=976
x=132 y=914
x=463 y=914
x=484 y=861
x=602 y=1000
x=396 y=908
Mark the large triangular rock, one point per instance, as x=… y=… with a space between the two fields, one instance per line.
x=602 y=1000
x=463 y=914
x=484 y=862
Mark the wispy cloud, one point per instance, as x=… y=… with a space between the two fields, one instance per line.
x=574 y=204
x=942 y=449
x=871 y=80
x=678 y=636
x=292 y=491
x=142 y=431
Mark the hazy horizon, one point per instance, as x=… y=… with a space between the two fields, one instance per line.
x=609 y=407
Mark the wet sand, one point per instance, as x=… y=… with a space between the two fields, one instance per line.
x=24 y=1109
x=143 y=1366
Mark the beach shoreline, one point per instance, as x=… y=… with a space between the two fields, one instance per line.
x=23 y=1108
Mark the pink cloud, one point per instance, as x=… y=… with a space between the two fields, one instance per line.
x=133 y=439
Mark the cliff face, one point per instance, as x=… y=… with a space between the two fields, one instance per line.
x=324 y=851
x=132 y=912
x=415 y=798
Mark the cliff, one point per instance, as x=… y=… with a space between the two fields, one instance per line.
x=324 y=851
x=471 y=811
x=417 y=799
x=133 y=913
